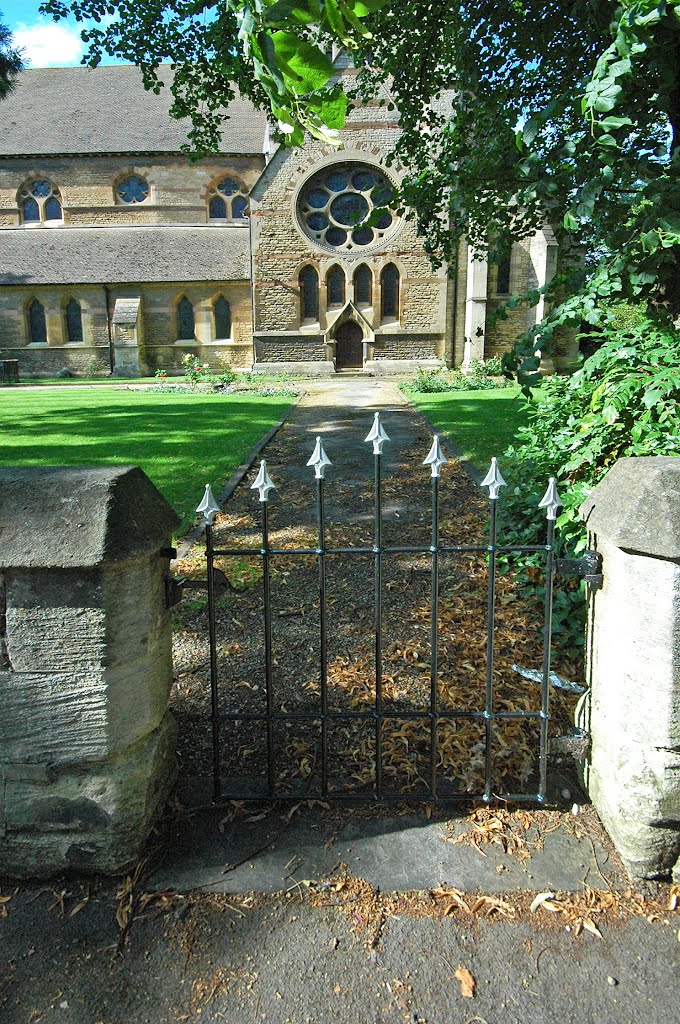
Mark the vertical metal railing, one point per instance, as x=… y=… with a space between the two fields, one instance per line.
x=435 y=714
x=319 y=461
x=378 y=436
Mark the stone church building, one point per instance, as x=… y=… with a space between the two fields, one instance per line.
x=117 y=254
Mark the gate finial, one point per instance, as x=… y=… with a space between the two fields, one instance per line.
x=263 y=482
x=319 y=460
x=435 y=457
x=208 y=507
x=551 y=500
x=377 y=434
x=493 y=480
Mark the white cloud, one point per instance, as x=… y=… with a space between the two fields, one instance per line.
x=46 y=45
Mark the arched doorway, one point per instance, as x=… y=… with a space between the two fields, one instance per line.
x=349 y=347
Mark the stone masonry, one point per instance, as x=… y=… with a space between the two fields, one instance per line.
x=84 y=132
x=632 y=709
x=86 y=740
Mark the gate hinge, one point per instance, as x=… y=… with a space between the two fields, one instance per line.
x=174 y=590
x=576 y=744
x=587 y=567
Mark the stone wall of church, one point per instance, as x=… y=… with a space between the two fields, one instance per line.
x=281 y=249
x=177 y=189
x=157 y=331
x=499 y=335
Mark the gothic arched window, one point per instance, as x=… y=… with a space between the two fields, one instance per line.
x=186 y=328
x=335 y=286
x=40 y=201
x=503 y=276
x=389 y=293
x=309 y=294
x=222 y=315
x=37 y=325
x=228 y=200
x=363 y=286
x=74 y=321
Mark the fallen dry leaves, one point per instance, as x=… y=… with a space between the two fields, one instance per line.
x=405 y=747
x=467 y=982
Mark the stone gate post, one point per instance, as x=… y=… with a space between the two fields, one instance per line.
x=633 y=707
x=86 y=741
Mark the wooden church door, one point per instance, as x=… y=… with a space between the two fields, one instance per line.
x=349 y=348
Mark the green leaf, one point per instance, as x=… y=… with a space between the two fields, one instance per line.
x=364 y=7
x=530 y=130
x=611 y=123
x=308 y=64
x=650 y=240
x=332 y=110
x=292 y=10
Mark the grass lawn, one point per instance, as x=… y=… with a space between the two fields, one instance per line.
x=480 y=424
x=181 y=441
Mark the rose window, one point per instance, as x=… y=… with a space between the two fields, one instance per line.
x=346 y=207
x=134 y=189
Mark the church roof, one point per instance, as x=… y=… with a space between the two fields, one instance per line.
x=107 y=110
x=115 y=255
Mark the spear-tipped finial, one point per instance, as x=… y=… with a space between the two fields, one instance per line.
x=319 y=460
x=263 y=482
x=493 y=480
x=435 y=457
x=377 y=434
x=208 y=507
x=551 y=500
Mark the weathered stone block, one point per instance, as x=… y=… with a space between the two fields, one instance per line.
x=95 y=818
x=633 y=707
x=86 y=743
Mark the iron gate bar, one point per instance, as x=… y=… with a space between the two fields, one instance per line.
x=212 y=632
x=417 y=549
x=377 y=535
x=434 y=636
x=550 y=502
x=435 y=714
x=409 y=716
x=268 y=678
x=488 y=687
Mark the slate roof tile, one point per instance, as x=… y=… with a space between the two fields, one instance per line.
x=116 y=255
x=107 y=110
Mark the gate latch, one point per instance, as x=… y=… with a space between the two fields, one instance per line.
x=176 y=585
x=587 y=567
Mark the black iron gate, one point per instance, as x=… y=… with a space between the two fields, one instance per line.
x=438 y=786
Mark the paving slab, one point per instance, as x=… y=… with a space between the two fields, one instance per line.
x=281 y=962
x=205 y=850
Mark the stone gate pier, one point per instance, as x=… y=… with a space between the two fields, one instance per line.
x=86 y=741
x=633 y=707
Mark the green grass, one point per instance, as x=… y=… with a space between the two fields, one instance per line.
x=481 y=424
x=83 y=382
x=181 y=441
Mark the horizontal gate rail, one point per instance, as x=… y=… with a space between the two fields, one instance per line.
x=438 y=786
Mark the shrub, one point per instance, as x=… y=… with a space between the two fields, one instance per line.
x=484 y=377
x=622 y=402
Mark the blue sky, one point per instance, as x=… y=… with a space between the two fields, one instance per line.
x=45 y=43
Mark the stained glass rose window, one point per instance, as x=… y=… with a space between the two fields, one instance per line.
x=337 y=207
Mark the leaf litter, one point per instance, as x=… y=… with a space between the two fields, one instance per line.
x=461 y=628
